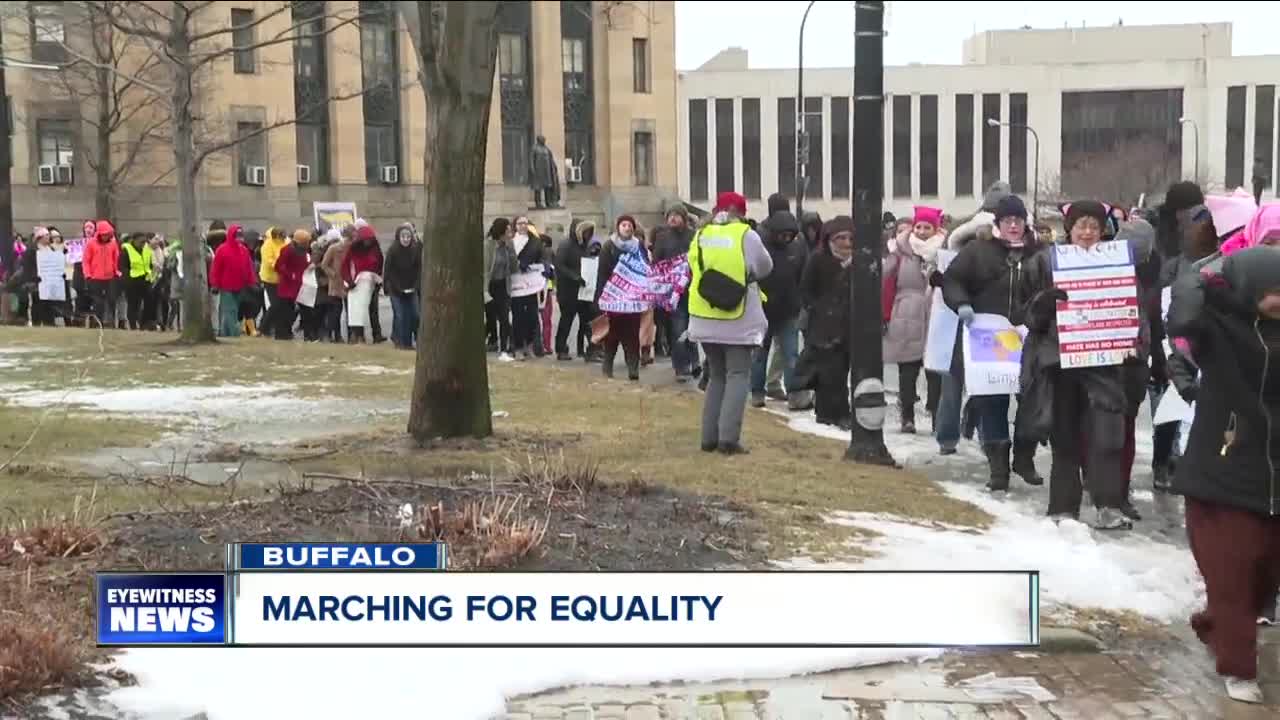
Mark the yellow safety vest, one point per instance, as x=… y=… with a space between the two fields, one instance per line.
x=139 y=262
x=717 y=247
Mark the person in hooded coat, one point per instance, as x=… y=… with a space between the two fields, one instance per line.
x=782 y=306
x=986 y=277
x=500 y=265
x=101 y=265
x=570 y=282
x=292 y=262
x=402 y=283
x=272 y=243
x=1092 y=408
x=825 y=286
x=1228 y=474
x=231 y=275
x=672 y=240
x=363 y=258
x=905 y=298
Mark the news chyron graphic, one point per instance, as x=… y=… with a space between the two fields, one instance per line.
x=395 y=595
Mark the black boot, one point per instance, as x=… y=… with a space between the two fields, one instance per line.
x=607 y=366
x=998 y=460
x=1024 y=463
x=1160 y=479
x=633 y=369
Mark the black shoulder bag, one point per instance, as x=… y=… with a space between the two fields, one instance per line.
x=719 y=290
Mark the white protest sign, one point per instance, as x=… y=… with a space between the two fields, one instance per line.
x=528 y=283
x=992 y=356
x=51 y=266
x=310 y=287
x=1172 y=408
x=1098 y=324
x=590 y=266
x=940 y=342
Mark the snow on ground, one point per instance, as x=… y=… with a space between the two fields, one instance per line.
x=457 y=684
x=168 y=400
x=377 y=370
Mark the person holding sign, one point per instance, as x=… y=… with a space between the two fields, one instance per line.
x=1228 y=472
x=525 y=286
x=572 y=281
x=621 y=285
x=986 y=277
x=1089 y=340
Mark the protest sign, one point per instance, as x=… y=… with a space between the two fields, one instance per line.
x=627 y=290
x=51 y=267
x=668 y=280
x=528 y=283
x=1172 y=408
x=1098 y=323
x=590 y=266
x=75 y=251
x=333 y=215
x=992 y=356
x=940 y=342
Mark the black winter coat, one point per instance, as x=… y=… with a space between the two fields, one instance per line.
x=402 y=270
x=568 y=264
x=668 y=242
x=1234 y=446
x=988 y=276
x=609 y=255
x=825 y=288
x=782 y=287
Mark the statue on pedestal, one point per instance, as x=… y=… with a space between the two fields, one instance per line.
x=544 y=175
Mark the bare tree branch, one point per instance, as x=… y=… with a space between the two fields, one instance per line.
x=288 y=35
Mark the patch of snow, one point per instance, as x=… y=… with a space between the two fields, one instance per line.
x=205 y=401
x=376 y=370
x=466 y=684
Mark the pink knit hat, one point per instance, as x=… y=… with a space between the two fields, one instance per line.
x=930 y=215
x=1231 y=212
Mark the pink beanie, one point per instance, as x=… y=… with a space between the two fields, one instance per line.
x=930 y=215
x=1231 y=212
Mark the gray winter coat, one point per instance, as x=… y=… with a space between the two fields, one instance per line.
x=909 y=319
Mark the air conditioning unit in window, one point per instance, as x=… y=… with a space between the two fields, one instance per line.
x=64 y=174
x=575 y=175
x=255 y=175
x=48 y=175
x=304 y=174
x=390 y=174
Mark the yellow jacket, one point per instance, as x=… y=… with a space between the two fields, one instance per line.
x=272 y=244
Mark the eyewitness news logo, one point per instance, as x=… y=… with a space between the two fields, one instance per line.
x=162 y=608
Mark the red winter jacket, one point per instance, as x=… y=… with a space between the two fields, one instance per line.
x=362 y=258
x=232 y=269
x=290 y=265
x=101 y=254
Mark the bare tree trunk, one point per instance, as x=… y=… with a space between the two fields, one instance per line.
x=197 y=325
x=103 y=172
x=456 y=44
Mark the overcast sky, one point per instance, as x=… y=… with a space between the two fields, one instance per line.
x=931 y=32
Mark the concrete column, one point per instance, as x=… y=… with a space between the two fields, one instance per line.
x=947 y=151
x=1004 y=136
x=548 y=74
x=413 y=111
x=1250 y=127
x=1044 y=113
x=346 y=119
x=737 y=147
x=493 y=143
x=769 y=145
x=1213 y=140
x=916 y=127
x=826 y=147
x=684 y=182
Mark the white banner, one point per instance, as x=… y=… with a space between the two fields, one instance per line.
x=590 y=266
x=528 y=283
x=940 y=342
x=358 y=299
x=51 y=267
x=992 y=356
x=602 y=609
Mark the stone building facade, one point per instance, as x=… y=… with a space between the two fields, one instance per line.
x=597 y=79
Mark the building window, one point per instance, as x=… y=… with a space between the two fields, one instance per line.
x=964 y=145
x=787 y=146
x=902 y=146
x=642 y=157
x=724 y=145
x=48 y=33
x=813 y=136
x=251 y=151
x=990 y=140
x=1018 y=142
x=310 y=91
x=56 y=141
x=380 y=73
x=840 y=148
x=698 y=150
x=640 y=75
x=1117 y=144
x=1235 y=136
x=929 y=145
x=515 y=91
x=245 y=61
x=579 y=94
x=1263 y=127
x=751 y=147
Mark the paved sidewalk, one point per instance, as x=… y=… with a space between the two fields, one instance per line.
x=1157 y=678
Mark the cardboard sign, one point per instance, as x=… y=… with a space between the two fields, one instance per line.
x=51 y=266
x=940 y=341
x=992 y=356
x=333 y=215
x=1098 y=324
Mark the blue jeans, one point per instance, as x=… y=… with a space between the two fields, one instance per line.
x=228 y=314
x=993 y=417
x=947 y=430
x=404 y=319
x=788 y=336
x=684 y=355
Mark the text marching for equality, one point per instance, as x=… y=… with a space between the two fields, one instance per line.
x=498 y=608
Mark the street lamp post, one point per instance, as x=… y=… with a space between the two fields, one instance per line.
x=1195 y=129
x=801 y=147
x=1035 y=181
